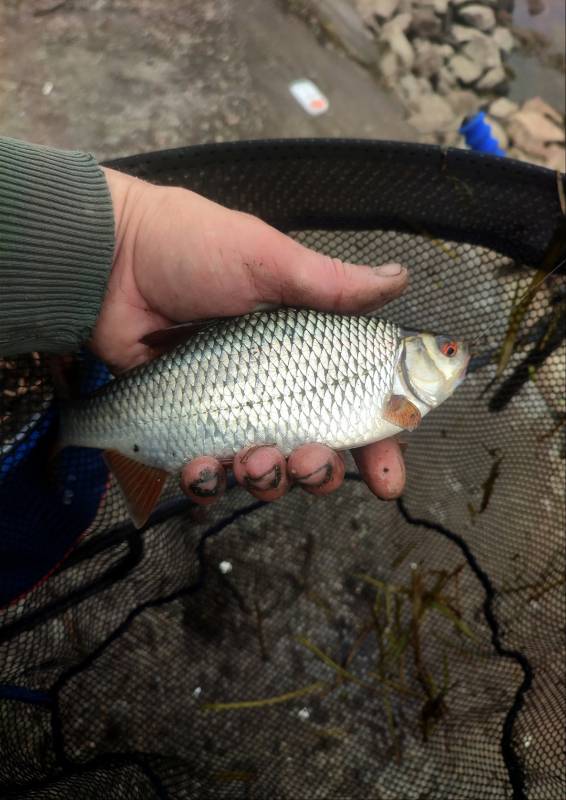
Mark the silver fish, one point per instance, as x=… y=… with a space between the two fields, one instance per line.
x=285 y=377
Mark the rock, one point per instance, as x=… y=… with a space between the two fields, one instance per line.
x=428 y=60
x=539 y=105
x=537 y=126
x=492 y=3
x=440 y=7
x=463 y=33
x=556 y=157
x=498 y=132
x=399 y=23
x=532 y=132
x=502 y=108
x=503 y=38
x=342 y=24
x=520 y=155
x=401 y=46
x=390 y=68
x=412 y=90
x=425 y=23
x=393 y=34
x=433 y=114
x=407 y=88
x=480 y=17
x=382 y=9
x=465 y=70
x=483 y=51
x=446 y=51
x=463 y=102
x=451 y=139
x=446 y=81
x=492 y=79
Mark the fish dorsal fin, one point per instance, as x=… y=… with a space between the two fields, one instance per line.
x=167 y=338
x=141 y=485
x=399 y=411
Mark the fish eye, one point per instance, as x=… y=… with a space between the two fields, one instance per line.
x=449 y=349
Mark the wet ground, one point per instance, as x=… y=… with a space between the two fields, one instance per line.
x=540 y=74
x=117 y=77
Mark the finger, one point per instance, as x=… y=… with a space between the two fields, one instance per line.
x=382 y=467
x=316 y=468
x=203 y=480
x=262 y=470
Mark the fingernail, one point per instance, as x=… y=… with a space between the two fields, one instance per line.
x=253 y=449
x=389 y=270
x=317 y=477
x=269 y=480
x=208 y=484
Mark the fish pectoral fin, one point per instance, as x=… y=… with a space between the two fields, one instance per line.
x=399 y=411
x=167 y=338
x=141 y=485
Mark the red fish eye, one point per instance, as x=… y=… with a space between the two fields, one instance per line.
x=449 y=349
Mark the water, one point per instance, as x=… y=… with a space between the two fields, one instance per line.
x=532 y=77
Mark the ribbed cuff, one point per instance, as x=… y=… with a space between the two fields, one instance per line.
x=56 y=247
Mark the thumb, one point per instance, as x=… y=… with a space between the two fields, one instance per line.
x=195 y=259
x=280 y=271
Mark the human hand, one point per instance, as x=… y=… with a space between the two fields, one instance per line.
x=180 y=257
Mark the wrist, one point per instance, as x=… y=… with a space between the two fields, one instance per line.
x=122 y=187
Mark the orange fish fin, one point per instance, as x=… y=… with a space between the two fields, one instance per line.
x=401 y=412
x=141 y=485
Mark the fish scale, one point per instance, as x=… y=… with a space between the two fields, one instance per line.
x=285 y=377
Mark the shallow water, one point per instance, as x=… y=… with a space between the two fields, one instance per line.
x=532 y=77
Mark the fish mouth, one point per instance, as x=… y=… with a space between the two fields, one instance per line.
x=462 y=374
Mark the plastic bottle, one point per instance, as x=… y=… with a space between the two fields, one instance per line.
x=478 y=136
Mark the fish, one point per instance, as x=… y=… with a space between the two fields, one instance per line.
x=285 y=377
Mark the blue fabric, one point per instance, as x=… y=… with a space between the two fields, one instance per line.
x=44 y=513
x=24 y=695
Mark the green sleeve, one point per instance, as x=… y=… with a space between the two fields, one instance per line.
x=56 y=247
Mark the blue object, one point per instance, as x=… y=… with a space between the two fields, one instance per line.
x=477 y=133
x=43 y=515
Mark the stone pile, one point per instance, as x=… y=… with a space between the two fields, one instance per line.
x=533 y=132
x=446 y=60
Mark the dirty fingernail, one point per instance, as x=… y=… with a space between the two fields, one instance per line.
x=208 y=484
x=316 y=478
x=389 y=270
x=269 y=480
x=245 y=457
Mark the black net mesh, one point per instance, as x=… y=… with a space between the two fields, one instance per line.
x=325 y=648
